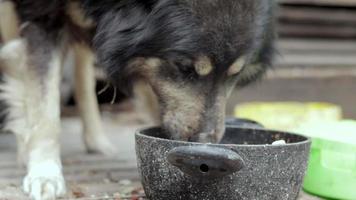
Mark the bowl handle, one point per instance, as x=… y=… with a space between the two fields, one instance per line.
x=205 y=161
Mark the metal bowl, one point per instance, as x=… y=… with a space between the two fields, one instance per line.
x=244 y=166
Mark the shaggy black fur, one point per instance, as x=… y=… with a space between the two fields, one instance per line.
x=181 y=30
x=177 y=31
x=161 y=30
x=49 y=15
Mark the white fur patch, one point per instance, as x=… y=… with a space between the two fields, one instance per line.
x=44 y=181
x=34 y=117
x=13 y=58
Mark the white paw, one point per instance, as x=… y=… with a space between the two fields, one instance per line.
x=100 y=144
x=44 y=182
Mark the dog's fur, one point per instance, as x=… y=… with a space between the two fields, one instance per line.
x=190 y=53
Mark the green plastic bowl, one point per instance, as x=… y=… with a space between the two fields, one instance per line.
x=332 y=165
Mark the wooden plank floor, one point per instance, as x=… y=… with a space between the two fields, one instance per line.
x=342 y=3
x=89 y=177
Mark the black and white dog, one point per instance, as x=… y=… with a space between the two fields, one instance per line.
x=190 y=52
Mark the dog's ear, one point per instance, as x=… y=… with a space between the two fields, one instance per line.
x=263 y=60
x=119 y=32
x=264 y=57
x=143 y=29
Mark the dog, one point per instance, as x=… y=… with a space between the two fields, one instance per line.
x=189 y=53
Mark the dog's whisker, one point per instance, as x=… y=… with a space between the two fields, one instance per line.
x=115 y=95
x=106 y=87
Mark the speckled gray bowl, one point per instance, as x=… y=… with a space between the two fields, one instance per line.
x=245 y=166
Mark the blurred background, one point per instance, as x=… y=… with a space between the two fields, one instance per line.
x=317 y=56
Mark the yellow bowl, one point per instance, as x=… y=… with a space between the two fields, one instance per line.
x=288 y=116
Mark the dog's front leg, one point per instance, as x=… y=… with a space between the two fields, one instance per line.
x=94 y=136
x=31 y=91
x=146 y=103
x=9 y=23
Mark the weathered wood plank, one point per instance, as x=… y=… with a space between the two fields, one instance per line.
x=307 y=46
x=315 y=60
x=83 y=177
x=317 y=31
x=341 y=3
x=334 y=89
x=317 y=15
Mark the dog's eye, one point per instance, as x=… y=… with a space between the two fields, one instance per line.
x=185 y=67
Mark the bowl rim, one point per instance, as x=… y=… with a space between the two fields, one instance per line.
x=307 y=140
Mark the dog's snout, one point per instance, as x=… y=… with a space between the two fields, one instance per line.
x=193 y=130
x=212 y=135
x=207 y=137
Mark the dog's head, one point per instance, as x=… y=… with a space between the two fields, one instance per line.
x=191 y=52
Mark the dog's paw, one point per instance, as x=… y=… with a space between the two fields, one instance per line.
x=100 y=144
x=44 y=182
x=44 y=188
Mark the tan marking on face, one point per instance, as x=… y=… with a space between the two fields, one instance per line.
x=203 y=66
x=146 y=63
x=144 y=68
x=181 y=106
x=237 y=66
x=153 y=62
x=78 y=17
x=182 y=113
